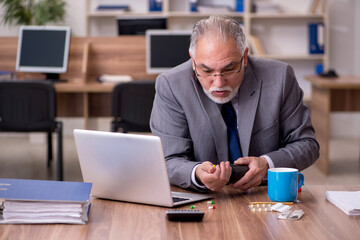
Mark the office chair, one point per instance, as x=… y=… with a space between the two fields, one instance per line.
x=131 y=106
x=30 y=106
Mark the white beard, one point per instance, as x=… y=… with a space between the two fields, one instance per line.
x=221 y=100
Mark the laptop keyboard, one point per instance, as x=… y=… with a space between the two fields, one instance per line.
x=179 y=199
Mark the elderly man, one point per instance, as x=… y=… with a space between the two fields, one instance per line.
x=223 y=106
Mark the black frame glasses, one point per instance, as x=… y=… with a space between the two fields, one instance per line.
x=223 y=73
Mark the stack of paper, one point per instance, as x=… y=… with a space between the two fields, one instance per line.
x=263 y=6
x=209 y=8
x=348 y=202
x=112 y=7
x=114 y=78
x=38 y=201
x=295 y=6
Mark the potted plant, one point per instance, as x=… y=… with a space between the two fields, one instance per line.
x=32 y=12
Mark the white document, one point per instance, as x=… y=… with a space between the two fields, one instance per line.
x=348 y=202
x=115 y=78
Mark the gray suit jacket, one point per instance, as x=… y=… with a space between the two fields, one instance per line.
x=272 y=120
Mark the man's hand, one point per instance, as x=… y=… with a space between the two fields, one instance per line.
x=258 y=167
x=214 y=178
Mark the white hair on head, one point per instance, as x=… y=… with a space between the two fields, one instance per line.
x=219 y=28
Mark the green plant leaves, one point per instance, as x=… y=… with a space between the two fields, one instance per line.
x=30 y=12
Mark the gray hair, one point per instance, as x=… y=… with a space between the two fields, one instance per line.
x=219 y=28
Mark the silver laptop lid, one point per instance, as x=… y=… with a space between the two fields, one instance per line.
x=124 y=167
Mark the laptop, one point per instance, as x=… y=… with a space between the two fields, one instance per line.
x=128 y=167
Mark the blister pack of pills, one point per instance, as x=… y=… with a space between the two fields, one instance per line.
x=291 y=215
x=260 y=207
x=279 y=207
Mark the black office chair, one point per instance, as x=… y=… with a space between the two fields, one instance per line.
x=131 y=106
x=30 y=106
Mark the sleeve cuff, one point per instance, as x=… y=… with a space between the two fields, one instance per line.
x=269 y=161
x=193 y=179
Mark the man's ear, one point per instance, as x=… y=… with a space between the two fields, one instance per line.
x=246 y=52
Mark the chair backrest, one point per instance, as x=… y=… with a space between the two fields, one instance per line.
x=27 y=106
x=132 y=104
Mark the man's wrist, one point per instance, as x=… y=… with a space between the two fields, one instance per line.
x=270 y=164
x=193 y=178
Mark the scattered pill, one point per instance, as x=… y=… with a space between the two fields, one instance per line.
x=211 y=202
x=211 y=207
x=192 y=207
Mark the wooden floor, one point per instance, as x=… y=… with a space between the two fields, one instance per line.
x=21 y=158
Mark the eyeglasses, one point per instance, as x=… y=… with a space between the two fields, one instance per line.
x=226 y=72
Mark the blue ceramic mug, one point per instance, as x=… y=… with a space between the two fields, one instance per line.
x=284 y=183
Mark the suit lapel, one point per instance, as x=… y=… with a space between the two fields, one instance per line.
x=218 y=126
x=249 y=94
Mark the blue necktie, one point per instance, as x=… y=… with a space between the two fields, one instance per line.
x=230 y=119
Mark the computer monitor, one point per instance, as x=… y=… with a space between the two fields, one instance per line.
x=138 y=25
x=166 y=49
x=43 y=49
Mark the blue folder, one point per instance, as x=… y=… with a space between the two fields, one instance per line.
x=240 y=5
x=316 y=38
x=155 y=5
x=113 y=7
x=42 y=190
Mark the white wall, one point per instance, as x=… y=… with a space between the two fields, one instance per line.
x=76 y=17
x=342 y=35
x=356 y=57
x=344 y=22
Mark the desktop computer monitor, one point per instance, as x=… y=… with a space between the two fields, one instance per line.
x=166 y=49
x=139 y=25
x=43 y=49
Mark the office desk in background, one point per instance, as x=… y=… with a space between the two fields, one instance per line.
x=340 y=94
x=89 y=57
x=78 y=99
x=230 y=220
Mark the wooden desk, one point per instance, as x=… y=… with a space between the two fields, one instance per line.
x=230 y=220
x=79 y=99
x=331 y=95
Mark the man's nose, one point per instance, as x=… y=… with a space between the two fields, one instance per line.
x=219 y=80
